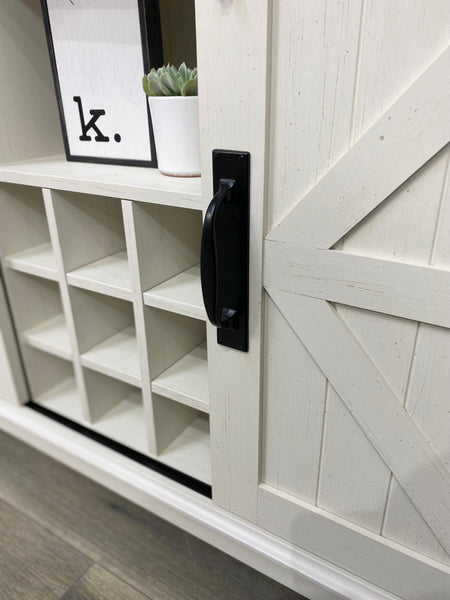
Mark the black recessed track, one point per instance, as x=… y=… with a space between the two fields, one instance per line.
x=146 y=461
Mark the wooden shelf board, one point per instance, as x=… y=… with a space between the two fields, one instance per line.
x=50 y=336
x=181 y=294
x=187 y=380
x=117 y=357
x=63 y=399
x=125 y=423
x=38 y=260
x=109 y=275
x=190 y=452
x=132 y=183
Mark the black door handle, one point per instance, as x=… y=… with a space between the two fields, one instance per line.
x=224 y=249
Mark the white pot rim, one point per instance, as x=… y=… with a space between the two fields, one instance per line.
x=172 y=98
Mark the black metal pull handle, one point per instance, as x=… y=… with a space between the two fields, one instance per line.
x=224 y=250
x=210 y=255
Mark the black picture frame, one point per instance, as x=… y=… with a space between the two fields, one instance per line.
x=152 y=56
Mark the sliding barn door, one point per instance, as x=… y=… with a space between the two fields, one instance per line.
x=335 y=431
x=356 y=397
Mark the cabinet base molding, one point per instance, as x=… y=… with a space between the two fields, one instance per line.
x=297 y=569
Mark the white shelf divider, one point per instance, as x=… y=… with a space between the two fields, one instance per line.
x=190 y=452
x=125 y=423
x=181 y=294
x=51 y=336
x=133 y=183
x=63 y=399
x=109 y=275
x=38 y=260
x=117 y=357
x=186 y=381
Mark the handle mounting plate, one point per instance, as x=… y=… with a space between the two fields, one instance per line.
x=225 y=249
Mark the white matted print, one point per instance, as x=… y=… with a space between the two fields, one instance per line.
x=99 y=52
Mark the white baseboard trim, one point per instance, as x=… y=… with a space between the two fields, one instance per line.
x=297 y=569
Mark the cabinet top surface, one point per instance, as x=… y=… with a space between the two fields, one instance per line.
x=132 y=183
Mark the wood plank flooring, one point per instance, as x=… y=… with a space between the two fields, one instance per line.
x=65 y=537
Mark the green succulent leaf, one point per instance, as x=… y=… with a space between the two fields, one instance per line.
x=145 y=85
x=190 y=88
x=154 y=88
x=170 y=81
x=183 y=71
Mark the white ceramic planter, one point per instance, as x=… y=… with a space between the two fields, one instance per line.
x=177 y=134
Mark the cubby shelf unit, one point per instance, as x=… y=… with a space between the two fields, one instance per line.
x=107 y=302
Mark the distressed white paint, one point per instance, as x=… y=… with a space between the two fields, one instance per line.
x=233 y=39
x=414 y=128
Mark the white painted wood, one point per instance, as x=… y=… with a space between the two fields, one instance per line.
x=133 y=183
x=292 y=411
x=104 y=392
x=125 y=423
x=116 y=356
x=311 y=109
x=348 y=546
x=404 y=290
x=415 y=127
x=62 y=399
x=90 y=228
x=23 y=226
x=39 y=261
x=29 y=122
x=187 y=380
x=50 y=336
x=386 y=47
x=375 y=406
x=97 y=317
x=235 y=120
x=81 y=398
x=190 y=452
x=51 y=381
x=33 y=300
x=170 y=338
x=404 y=525
x=168 y=241
x=354 y=481
x=13 y=386
x=181 y=294
x=108 y=275
x=299 y=569
x=427 y=404
x=140 y=322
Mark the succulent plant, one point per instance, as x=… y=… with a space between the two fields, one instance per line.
x=170 y=81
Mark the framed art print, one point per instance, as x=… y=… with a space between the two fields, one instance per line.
x=99 y=51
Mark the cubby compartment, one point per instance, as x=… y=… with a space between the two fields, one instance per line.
x=52 y=383
x=24 y=234
x=92 y=240
x=106 y=335
x=117 y=410
x=177 y=357
x=182 y=436
x=38 y=314
x=168 y=245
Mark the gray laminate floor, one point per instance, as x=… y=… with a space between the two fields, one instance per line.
x=63 y=536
